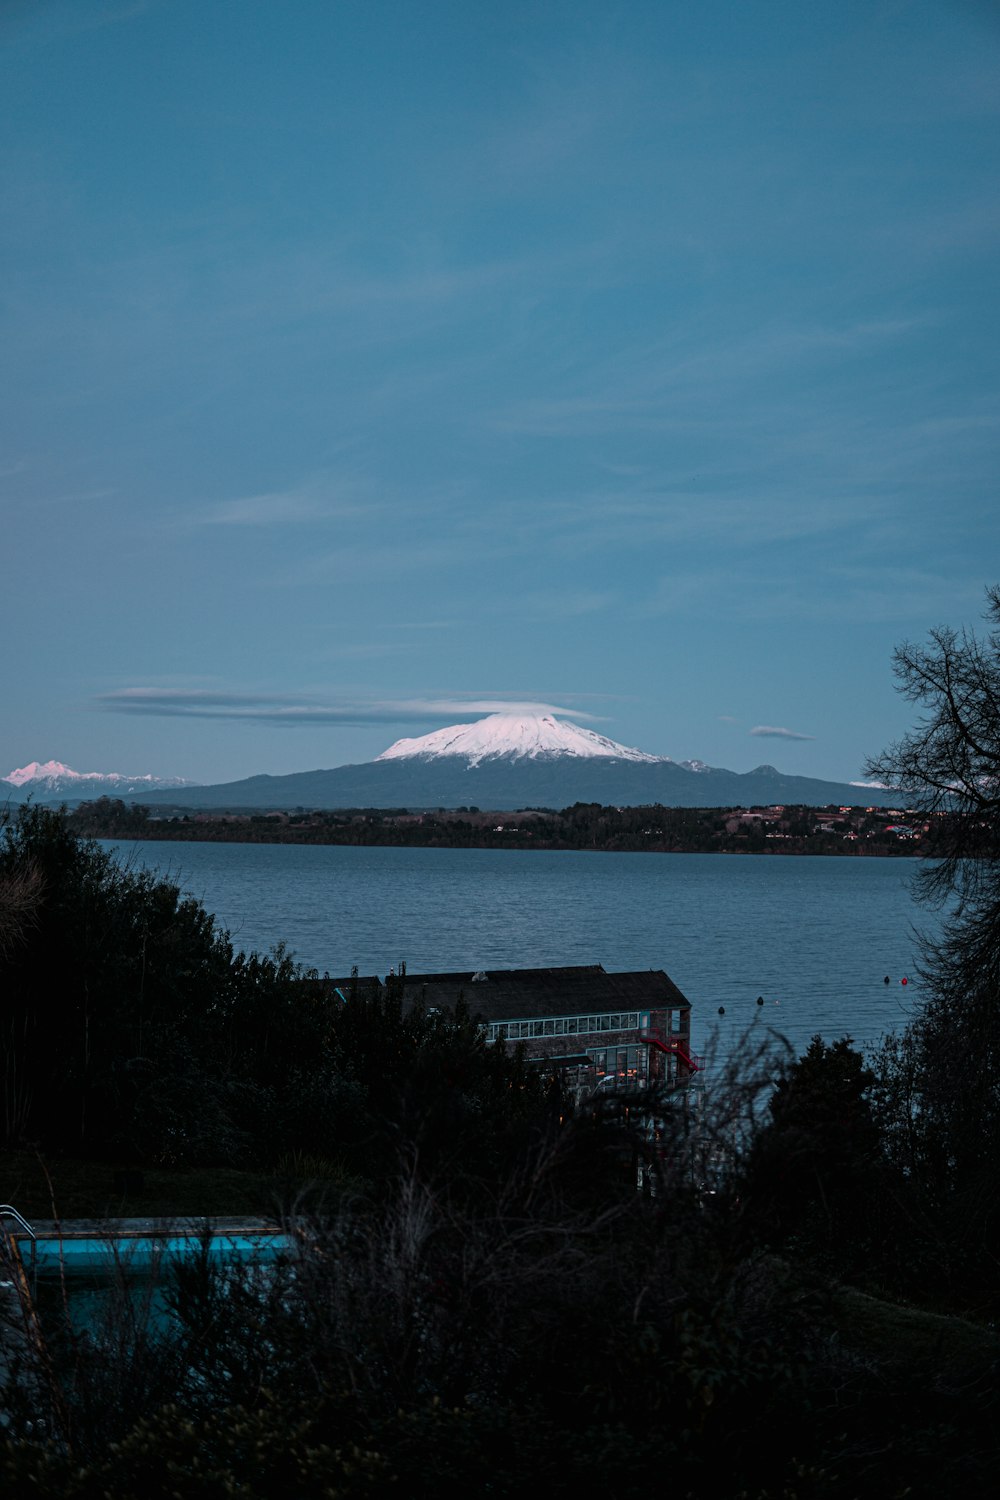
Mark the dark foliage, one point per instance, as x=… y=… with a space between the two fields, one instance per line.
x=130 y=1027
x=939 y=1083
x=433 y=1343
x=132 y=1030
x=816 y=1177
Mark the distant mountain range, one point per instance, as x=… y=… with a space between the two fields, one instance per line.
x=51 y=781
x=502 y=762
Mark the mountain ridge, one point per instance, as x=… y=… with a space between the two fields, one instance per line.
x=502 y=763
x=52 y=778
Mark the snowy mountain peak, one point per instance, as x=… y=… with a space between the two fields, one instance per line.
x=36 y=771
x=53 y=776
x=513 y=737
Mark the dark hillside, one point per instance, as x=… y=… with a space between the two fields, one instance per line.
x=506 y=784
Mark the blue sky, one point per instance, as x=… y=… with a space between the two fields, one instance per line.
x=370 y=365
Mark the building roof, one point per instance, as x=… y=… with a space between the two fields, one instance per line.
x=511 y=994
x=365 y=985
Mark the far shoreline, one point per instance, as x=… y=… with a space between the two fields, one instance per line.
x=806 y=832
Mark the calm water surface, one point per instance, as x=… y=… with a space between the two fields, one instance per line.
x=815 y=936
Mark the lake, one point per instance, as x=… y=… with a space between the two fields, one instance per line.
x=815 y=936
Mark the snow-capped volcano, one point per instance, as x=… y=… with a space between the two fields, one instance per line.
x=511 y=760
x=52 y=778
x=514 y=737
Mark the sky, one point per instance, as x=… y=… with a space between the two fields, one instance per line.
x=368 y=366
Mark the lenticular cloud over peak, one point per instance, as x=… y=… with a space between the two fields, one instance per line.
x=514 y=737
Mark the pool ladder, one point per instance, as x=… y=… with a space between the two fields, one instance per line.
x=8 y=1211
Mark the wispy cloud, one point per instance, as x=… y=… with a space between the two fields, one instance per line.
x=420 y=624
x=54 y=23
x=743 y=593
x=774 y=732
x=663 y=386
x=296 y=711
x=555 y=605
x=362 y=650
x=276 y=509
x=316 y=499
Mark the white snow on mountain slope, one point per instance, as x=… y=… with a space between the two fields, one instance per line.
x=38 y=772
x=53 y=774
x=513 y=737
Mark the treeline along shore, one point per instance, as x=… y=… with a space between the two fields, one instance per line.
x=828 y=830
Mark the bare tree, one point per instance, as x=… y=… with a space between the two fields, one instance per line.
x=940 y=1080
x=950 y=762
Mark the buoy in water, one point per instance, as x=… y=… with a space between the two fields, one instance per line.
x=760 y=999
x=904 y=980
x=722 y=1010
x=886 y=979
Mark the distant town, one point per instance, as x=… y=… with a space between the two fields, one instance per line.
x=776 y=829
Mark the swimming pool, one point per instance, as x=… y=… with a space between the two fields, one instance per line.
x=82 y=1276
x=102 y=1255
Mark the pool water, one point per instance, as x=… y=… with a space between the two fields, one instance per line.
x=136 y=1254
x=81 y=1279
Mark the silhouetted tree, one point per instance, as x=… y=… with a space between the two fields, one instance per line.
x=129 y=1024
x=940 y=1081
x=814 y=1170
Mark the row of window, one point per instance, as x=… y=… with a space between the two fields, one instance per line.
x=517 y=1031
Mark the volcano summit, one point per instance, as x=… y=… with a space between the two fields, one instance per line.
x=514 y=737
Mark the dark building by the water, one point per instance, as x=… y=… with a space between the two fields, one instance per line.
x=604 y=1030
